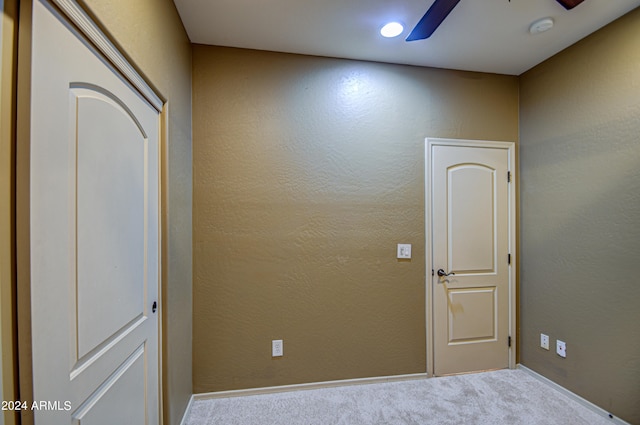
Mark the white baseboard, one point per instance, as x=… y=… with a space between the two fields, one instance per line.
x=310 y=386
x=187 y=411
x=586 y=403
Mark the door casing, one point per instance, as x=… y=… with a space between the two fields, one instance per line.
x=510 y=147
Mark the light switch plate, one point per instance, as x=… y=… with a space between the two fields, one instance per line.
x=404 y=250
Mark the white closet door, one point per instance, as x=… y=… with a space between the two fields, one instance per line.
x=94 y=234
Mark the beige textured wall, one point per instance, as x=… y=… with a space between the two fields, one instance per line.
x=151 y=34
x=580 y=234
x=307 y=173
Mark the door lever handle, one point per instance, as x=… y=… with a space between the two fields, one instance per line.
x=443 y=273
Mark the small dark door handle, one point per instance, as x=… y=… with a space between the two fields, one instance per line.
x=154 y=307
x=443 y=273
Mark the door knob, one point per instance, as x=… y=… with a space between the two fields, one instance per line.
x=443 y=273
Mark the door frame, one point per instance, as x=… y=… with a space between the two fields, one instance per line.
x=8 y=53
x=81 y=21
x=510 y=147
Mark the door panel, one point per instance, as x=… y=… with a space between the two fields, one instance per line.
x=111 y=223
x=470 y=239
x=94 y=185
x=116 y=391
x=472 y=315
x=471 y=214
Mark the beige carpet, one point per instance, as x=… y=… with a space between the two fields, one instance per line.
x=501 y=397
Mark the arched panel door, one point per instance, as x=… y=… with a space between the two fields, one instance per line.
x=470 y=249
x=94 y=227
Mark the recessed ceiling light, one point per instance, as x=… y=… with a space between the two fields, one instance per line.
x=541 y=25
x=392 y=29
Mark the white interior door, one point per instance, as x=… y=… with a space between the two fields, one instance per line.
x=471 y=258
x=94 y=202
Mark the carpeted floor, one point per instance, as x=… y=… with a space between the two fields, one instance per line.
x=502 y=397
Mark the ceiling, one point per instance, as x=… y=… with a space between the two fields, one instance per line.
x=479 y=35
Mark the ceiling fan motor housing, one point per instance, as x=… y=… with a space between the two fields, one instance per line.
x=570 y=4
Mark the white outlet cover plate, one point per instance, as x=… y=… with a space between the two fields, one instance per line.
x=277 y=348
x=544 y=341
x=404 y=250
x=561 y=348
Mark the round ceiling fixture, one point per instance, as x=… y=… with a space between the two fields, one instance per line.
x=541 y=25
x=392 y=29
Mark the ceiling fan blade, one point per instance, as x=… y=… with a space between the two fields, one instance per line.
x=431 y=20
x=570 y=4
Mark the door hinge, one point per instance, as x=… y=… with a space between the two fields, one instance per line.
x=508 y=176
x=508 y=258
x=509 y=341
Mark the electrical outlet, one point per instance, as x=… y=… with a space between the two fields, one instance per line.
x=561 y=348
x=277 y=348
x=544 y=341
